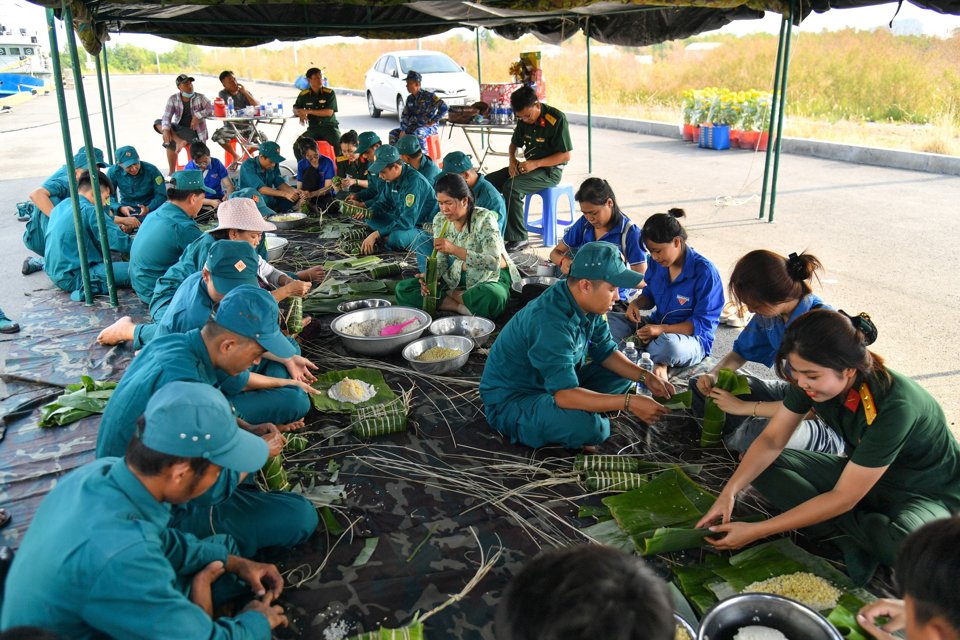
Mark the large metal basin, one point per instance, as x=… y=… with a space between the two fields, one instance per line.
x=377 y=345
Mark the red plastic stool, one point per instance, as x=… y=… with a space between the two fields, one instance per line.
x=433 y=147
x=187 y=150
x=326 y=149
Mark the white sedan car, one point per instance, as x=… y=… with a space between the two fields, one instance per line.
x=386 y=86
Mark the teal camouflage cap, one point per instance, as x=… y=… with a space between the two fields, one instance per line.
x=409 y=145
x=127 y=157
x=271 y=151
x=603 y=261
x=189 y=180
x=251 y=312
x=456 y=162
x=386 y=155
x=231 y=264
x=80 y=159
x=194 y=420
x=366 y=140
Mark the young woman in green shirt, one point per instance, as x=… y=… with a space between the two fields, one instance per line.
x=903 y=464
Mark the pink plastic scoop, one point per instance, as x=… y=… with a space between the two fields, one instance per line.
x=395 y=329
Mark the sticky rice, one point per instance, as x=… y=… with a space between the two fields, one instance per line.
x=757 y=632
x=352 y=391
x=371 y=328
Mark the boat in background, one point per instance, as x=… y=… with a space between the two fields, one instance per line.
x=24 y=63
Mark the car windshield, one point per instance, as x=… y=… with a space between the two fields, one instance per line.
x=427 y=64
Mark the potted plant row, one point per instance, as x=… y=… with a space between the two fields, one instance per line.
x=744 y=114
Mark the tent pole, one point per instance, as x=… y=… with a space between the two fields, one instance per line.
x=113 y=117
x=88 y=143
x=773 y=115
x=103 y=110
x=480 y=79
x=589 y=105
x=783 y=100
x=68 y=153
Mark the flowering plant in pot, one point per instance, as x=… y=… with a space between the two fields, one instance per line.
x=755 y=120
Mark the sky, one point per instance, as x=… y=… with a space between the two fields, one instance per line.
x=22 y=14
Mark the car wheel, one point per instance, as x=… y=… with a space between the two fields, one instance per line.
x=400 y=105
x=371 y=107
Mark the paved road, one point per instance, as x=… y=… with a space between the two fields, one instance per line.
x=887 y=237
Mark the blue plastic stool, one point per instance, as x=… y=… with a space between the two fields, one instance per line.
x=549 y=220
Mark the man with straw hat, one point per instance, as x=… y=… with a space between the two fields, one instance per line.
x=537 y=389
x=100 y=558
x=219 y=355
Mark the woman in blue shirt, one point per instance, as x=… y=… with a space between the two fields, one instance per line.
x=777 y=290
x=685 y=292
x=315 y=175
x=602 y=220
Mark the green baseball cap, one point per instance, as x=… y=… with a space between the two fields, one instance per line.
x=80 y=159
x=251 y=312
x=456 y=162
x=603 y=261
x=271 y=151
x=231 y=263
x=250 y=192
x=366 y=140
x=194 y=420
x=127 y=157
x=409 y=145
x=387 y=154
x=189 y=180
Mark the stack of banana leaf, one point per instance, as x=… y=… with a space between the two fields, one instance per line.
x=719 y=577
x=412 y=632
x=713 y=416
x=80 y=400
x=385 y=413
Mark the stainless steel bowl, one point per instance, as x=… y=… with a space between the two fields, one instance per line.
x=298 y=220
x=276 y=247
x=370 y=303
x=686 y=626
x=416 y=348
x=790 y=618
x=477 y=329
x=377 y=345
x=544 y=281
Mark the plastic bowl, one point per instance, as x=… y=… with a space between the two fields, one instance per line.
x=276 y=246
x=356 y=305
x=790 y=618
x=477 y=329
x=288 y=220
x=437 y=367
x=538 y=281
x=378 y=345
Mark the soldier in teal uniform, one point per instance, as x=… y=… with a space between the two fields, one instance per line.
x=317 y=107
x=537 y=388
x=244 y=327
x=100 y=559
x=43 y=199
x=270 y=395
x=62 y=253
x=367 y=150
x=410 y=151
x=543 y=133
x=263 y=174
x=487 y=196
x=166 y=232
x=140 y=185
x=901 y=467
x=422 y=112
x=408 y=200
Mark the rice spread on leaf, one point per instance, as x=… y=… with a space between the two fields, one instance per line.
x=352 y=391
x=805 y=588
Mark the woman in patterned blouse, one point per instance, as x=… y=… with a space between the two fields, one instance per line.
x=474 y=270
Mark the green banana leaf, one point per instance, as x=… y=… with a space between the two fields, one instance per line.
x=413 y=632
x=360 y=263
x=681 y=400
x=668 y=539
x=323 y=401
x=713 y=416
x=694 y=581
x=671 y=498
x=82 y=399
x=844 y=618
x=608 y=533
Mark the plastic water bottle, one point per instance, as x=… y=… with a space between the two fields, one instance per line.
x=231 y=111
x=631 y=352
x=270 y=107
x=280 y=107
x=646 y=363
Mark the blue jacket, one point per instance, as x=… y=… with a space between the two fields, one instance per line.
x=761 y=338
x=695 y=296
x=213 y=176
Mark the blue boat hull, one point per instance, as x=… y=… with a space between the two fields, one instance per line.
x=12 y=83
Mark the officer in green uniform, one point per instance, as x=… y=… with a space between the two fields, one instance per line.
x=140 y=185
x=543 y=133
x=537 y=387
x=263 y=174
x=487 y=196
x=44 y=198
x=219 y=355
x=413 y=155
x=367 y=150
x=351 y=166
x=902 y=467
x=166 y=232
x=100 y=559
x=317 y=106
x=270 y=395
x=407 y=201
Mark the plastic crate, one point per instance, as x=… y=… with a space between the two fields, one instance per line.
x=715 y=137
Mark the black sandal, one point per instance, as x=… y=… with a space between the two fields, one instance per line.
x=4 y=518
